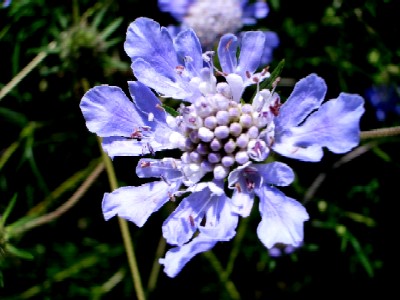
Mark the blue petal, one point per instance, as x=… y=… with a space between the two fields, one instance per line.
x=136 y=204
x=253 y=11
x=167 y=86
x=154 y=58
x=180 y=226
x=145 y=39
x=227 y=52
x=275 y=173
x=307 y=95
x=271 y=42
x=108 y=112
x=220 y=225
x=176 y=258
x=153 y=115
x=242 y=202
x=146 y=102
x=221 y=221
x=282 y=218
x=187 y=44
x=251 y=50
x=166 y=168
x=335 y=126
x=120 y=146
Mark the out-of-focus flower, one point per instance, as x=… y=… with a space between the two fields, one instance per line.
x=385 y=99
x=6 y=3
x=280 y=250
x=224 y=140
x=211 y=19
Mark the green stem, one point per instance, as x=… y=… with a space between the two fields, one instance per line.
x=25 y=71
x=219 y=269
x=123 y=224
x=241 y=232
x=381 y=132
x=66 y=206
x=155 y=270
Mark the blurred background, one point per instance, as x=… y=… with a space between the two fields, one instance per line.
x=54 y=242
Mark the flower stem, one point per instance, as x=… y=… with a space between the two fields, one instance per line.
x=155 y=270
x=123 y=224
x=66 y=206
x=241 y=232
x=219 y=269
x=25 y=71
x=380 y=132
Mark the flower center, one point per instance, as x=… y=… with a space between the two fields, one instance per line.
x=220 y=133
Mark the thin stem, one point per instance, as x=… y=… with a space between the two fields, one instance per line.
x=381 y=132
x=25 y=71
x=123 y=224
x=241 y=232
x=63 y=208
x=219 y=269
x=312 y=190
x=155 y=270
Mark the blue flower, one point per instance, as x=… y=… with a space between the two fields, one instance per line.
x=385 y=99
x=211 y=19
x=218 y=133
x=6 y=3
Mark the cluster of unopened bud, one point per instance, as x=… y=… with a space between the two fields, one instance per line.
x=220 y=133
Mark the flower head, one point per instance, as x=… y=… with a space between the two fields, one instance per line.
x=218 y=134
x=211 y=19
x=6 y=3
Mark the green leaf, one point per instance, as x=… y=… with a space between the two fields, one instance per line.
x=170 y=110
x=110 y=29
x=17 y=252
x=8 y=210
x=268 y=83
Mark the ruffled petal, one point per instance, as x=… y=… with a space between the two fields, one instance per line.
x=154 y=58
x=307 y=95
x=335 y=126
x=109 y=112
x=147 y=40
x=176 y=258
x=136 y=204
x=282 y=218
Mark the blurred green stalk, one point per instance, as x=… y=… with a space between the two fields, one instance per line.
x=123 y=224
